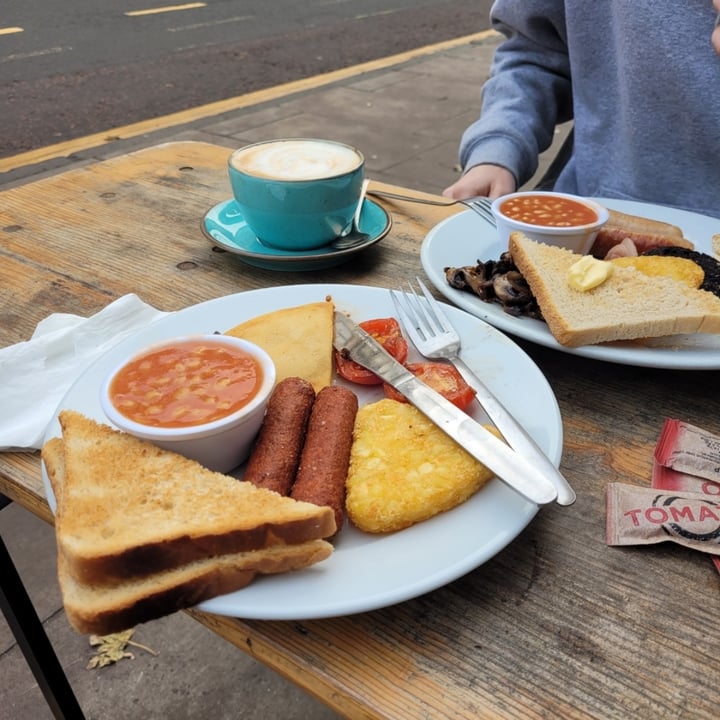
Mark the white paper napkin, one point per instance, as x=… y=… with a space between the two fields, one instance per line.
x=36 y=374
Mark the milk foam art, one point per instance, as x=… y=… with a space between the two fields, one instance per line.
x=297 y=159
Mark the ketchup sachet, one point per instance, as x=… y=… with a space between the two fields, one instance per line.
x=689 y=449
x=685 y=457
x=644 y=516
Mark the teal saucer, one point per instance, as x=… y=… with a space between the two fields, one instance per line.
x=225 y=226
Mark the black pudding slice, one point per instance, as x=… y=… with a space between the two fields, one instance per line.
x=711 y=267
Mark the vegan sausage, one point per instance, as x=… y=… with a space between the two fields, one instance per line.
x=325 y=456
x=275 y=457
x=644 y=233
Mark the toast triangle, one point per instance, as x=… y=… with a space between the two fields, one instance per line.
x=128 y=508
x=106 y=608
x=101 y=609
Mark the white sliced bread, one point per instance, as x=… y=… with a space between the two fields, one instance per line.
x=628 y=305
x=128 y=508
x=107 y=607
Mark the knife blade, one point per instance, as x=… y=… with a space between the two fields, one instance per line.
x=511 y=467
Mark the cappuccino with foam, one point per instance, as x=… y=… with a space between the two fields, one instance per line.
x=297 y=194
x=296 y=159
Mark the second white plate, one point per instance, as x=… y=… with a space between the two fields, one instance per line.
x=465 y=238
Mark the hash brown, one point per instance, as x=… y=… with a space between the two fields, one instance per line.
x=404 y=469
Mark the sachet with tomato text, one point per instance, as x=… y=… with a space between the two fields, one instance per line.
x=645 y=516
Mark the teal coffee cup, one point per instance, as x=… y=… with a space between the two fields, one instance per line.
x=297 y=193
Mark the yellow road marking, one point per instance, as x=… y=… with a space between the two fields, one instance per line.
x=10 y=30
x=167 y=8
x=69 y=147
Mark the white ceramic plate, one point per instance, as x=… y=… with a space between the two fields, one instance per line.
x=367 y=572
x=465 y=238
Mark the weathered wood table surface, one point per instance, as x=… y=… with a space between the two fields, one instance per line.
x=558 y=625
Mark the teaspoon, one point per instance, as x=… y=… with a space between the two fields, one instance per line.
x=354 y=237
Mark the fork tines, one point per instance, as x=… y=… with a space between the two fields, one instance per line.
x=422 y=321
x=482 y=206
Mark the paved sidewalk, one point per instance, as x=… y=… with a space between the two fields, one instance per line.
x=406 y=114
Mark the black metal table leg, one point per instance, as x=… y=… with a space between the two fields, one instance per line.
x=30 y=635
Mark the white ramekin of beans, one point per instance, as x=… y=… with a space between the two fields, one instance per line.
x=553 y=218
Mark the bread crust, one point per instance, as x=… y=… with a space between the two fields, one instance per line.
x=156 y=557
x=116 y=616
x=101 y=609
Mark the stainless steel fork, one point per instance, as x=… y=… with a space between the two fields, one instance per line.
x=434 y=336
x=480 y=204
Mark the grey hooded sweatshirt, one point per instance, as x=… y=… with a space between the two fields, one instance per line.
x=641 y=81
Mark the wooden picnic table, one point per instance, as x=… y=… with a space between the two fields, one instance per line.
x=556 y=625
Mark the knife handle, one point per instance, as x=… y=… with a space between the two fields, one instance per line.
x=515 y=434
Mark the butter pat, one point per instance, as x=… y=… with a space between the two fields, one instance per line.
x=588 y=273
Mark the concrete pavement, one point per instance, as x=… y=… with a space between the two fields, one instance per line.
x=406 y=113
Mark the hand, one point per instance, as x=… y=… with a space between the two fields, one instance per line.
x=487 y=180
x=716 y=32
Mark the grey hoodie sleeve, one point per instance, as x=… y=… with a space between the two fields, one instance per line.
x=529 y=89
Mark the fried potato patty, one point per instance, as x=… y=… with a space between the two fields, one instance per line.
x=404 y=469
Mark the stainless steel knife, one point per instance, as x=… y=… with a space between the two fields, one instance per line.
x=511 y=467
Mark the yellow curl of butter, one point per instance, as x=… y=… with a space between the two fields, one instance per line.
x=588 y=273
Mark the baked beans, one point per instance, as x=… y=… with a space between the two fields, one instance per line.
x=548 y=210
x=190 y=383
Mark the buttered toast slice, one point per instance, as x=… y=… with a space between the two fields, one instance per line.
x=298 y=339
x=127 y=508
x=626 y=306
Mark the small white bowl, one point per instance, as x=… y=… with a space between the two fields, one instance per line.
x=221 y=444
x=576 y=236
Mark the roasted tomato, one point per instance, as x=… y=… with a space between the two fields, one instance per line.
x=443 y=378
x=387 y=332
